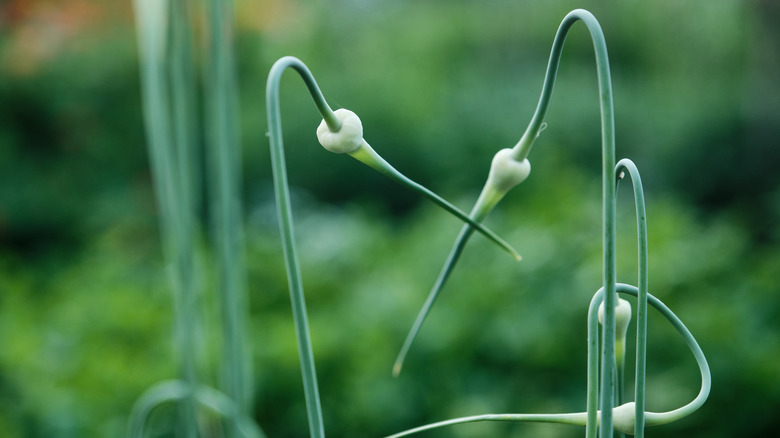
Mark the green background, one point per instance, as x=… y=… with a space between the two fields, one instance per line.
x=85 y=308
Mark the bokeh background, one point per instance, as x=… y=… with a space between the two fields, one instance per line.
x=85 y=307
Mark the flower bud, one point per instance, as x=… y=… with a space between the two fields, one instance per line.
x=345 y=140
x=622 y=317
x=506 y=172
x=624 y=418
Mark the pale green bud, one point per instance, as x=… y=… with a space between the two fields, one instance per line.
x=622 y=317
x=506 y=172
x=624 y=418
x=345 y=140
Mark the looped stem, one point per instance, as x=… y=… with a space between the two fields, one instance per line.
x=655 y=418
x=592 y=419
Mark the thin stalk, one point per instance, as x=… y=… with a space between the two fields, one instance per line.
x=522 y=149
x=592 y=397
x=169 y=156
x=182 y=169
x=640 y=373
x=608 y=193
x=574 y=419
x=284 y=211
x=449 y=265
x=222 y=117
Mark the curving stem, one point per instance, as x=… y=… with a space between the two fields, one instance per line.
x=608 y=372
x=640 y=374
x=488 y=198
x=284 y=211
x=627 y=419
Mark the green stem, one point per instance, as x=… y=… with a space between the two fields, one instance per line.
x=592 y=397
x=182 y=171
x=522 y=149
x=444 y=274
x=659 y=418
x=272 y=93
x=608 y=192
x=626 y=165
x=175 y=391
x=169 y=150
x=284 y=210
x=225 y=166
x=575 y=419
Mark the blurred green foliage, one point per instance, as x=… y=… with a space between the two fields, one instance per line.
x=85 y=312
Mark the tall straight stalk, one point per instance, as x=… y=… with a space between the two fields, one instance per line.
x=168 y=125
x=183 y=173
x=225 y=167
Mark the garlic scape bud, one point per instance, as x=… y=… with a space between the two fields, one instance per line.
x=346 y=139
x=624 y=418
x=505 y=173
x=349 y=139
x=622 y=319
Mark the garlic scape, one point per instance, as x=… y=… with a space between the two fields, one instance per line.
x=341 y=132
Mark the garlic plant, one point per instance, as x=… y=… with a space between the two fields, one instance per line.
x=342 y=132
